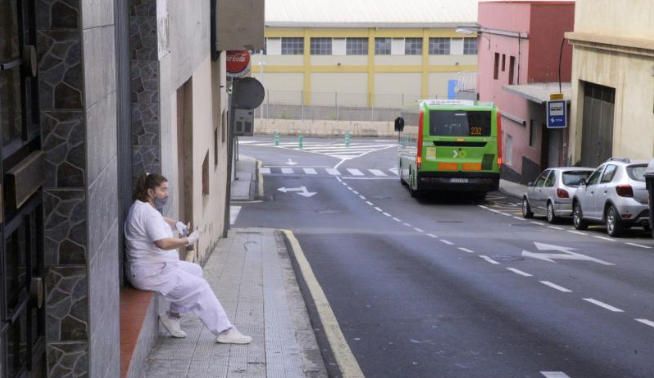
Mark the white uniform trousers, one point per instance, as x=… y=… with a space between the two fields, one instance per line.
x=181 y=283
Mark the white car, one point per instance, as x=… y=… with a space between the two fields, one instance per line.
x=552 y=192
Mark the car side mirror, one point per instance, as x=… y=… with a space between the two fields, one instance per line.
x=530 y=183
x=399 y=124
x=583 y=182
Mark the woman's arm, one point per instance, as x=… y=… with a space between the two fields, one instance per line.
x=171 y=222
x=171 y=243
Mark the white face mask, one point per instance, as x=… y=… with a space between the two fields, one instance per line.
x=160 y=203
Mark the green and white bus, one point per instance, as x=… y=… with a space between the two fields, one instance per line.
x=450 y=145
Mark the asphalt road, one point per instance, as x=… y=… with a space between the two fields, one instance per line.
x=446 y=287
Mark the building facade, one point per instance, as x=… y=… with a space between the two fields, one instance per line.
x=521 y=50
x=612 y=81
x=366 y=54
x=93 y=94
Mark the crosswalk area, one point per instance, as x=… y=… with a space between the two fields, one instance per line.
x=332 y=172
x=341 y=151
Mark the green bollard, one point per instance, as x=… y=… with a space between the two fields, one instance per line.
x=348 y=137
x=276 y=138
x=300 y=141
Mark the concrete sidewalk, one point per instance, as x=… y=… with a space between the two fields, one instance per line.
x=252 y=276
x=245 y=186
x=513 y=189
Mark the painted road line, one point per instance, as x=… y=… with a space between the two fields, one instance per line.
x=432 y=236
x=488 y=259
x=355 y=172
x=386 y=214
x=639 y=245
x=310 y=171
x=603 y=238
x=355 y=192
x=646 y=322
x=556 y=287
x=538 y=223
x=577 y=232
x=333 y=172
x=287 y=171
x=378 y=209
x=556 y=228
x=446 y=242
x=507 y=214
x=407 y=224
x=419 y=229
x=484 y=207
x=519 y=272
x=603 y=305
x=395 y=171
x=520 y=219
x=554 y=374
x=466 y=250
x=362 y=197
x=345 y=359
x=397 y=219
x=370 y=203
x=377 y=172
x=265 y=171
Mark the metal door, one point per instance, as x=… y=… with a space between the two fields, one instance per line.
x=597 y=125
x=22 y=314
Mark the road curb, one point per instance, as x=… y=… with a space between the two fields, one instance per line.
x=337 y=355
x=260 y=193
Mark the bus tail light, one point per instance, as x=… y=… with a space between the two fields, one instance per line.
x=624 y=190
x=499 y=139
x=562 y=193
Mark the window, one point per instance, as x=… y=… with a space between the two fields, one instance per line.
x=413 y=46
x=293 y=46
x=549 y=183
x=205 y=175
x=496 y=69
x=511 y=69
x=594 y=178
x=531 y=133
x=439 y=46
x=609 y=173
x=503 y=62
x=470 y=46
x=357 y=46
x=321 y=46
x=273 y=46
x=540 y=180
x=637 y=172
x=382 y=46
x=573 y=178
x=459 y=123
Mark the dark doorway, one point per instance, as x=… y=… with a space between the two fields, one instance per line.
x=22 y=313
x=597 y=124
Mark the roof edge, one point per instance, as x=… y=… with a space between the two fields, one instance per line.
x=368 y=25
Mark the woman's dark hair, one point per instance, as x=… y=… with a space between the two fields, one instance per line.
x=147 y=181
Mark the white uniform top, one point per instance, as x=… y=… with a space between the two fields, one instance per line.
x=144 y=226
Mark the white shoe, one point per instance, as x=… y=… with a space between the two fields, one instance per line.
x=172 y=325
x=233 y=336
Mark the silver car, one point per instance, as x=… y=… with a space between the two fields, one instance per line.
x=614 y=194
x=551 y=194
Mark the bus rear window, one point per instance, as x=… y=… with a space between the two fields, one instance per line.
x=460 y=123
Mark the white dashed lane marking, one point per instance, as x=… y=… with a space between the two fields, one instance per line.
x=646 y=322
x=310 y=171
x=287 y=171
x=265 y=171
x=554 y=374
x=466 y=250
x=333 y=172
x=639 y=245
x=432 y=236
x=446 y=242
x=556 y=287
x=377 y=172
x=488 y=259
x=605 y=306
x=519 y=272
x=355 y=172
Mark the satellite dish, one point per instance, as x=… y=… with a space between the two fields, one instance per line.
x=248 y=93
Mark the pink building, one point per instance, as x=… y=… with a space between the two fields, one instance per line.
x=519 y=54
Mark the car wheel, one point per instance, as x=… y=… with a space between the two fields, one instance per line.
x=578 y=217
x=614 y=226
x=551 y=215
x=526 y=209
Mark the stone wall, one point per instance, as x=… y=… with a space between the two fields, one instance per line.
x=324 y=128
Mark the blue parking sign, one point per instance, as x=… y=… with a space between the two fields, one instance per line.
x=557 y=115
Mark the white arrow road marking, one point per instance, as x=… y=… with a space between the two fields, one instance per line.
x=565 y=254
x=333 y=172
x=603 y=305
x=301 y=191
x=310 y=171
x=291 y=162
x=287 y=171
x=554 y=374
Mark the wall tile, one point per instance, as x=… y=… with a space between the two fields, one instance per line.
x=63 y=142
x=60 y=70
x=69 y=360
x=67 y=304
x=65 y=226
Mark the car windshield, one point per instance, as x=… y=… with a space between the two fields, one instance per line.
x=637 y=172
x=573 y=178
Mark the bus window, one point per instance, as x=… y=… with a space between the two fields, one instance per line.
x=460 y=123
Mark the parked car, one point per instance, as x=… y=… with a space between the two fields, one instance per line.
x=551 y=194
x=614 y=194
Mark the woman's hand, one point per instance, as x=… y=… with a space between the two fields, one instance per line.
x=193 y=238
